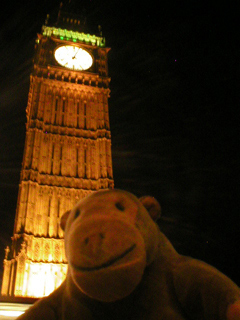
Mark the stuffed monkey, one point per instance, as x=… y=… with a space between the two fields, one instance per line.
x=122 y=267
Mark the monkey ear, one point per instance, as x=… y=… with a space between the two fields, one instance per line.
x=152 y=205
x=63 y=220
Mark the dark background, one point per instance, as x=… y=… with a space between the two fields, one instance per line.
x=174 y=115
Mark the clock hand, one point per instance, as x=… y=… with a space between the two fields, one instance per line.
x=74 y=57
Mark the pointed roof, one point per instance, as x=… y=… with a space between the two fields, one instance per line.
x=71 y=23
x=71 y=16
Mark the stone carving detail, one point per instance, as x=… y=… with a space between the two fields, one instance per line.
x=36 y=254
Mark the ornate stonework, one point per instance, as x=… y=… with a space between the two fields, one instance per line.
x=67 y=155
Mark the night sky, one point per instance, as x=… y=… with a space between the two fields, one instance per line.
x=174 y=113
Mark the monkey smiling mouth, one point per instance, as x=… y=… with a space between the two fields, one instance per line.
x=108 y=263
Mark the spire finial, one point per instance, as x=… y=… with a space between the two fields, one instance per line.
x=46 y=20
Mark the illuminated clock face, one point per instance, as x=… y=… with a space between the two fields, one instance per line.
x=72 y=57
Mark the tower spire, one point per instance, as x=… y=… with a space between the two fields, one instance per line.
x=71 y=16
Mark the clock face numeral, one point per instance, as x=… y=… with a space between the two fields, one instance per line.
x=72 y=57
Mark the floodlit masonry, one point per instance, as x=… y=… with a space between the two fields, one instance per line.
x=67 y=153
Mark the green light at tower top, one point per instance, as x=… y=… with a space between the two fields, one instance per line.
x=74 y=36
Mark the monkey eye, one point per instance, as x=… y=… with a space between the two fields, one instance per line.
x=119 y=206
x=77 y=213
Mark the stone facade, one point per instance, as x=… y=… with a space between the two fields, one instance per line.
x=67 y=155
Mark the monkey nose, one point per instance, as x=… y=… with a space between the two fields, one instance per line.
x=93 y=243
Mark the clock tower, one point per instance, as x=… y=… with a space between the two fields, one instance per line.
x=67 y=152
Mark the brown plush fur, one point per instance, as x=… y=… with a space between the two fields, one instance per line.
x=122 y=267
